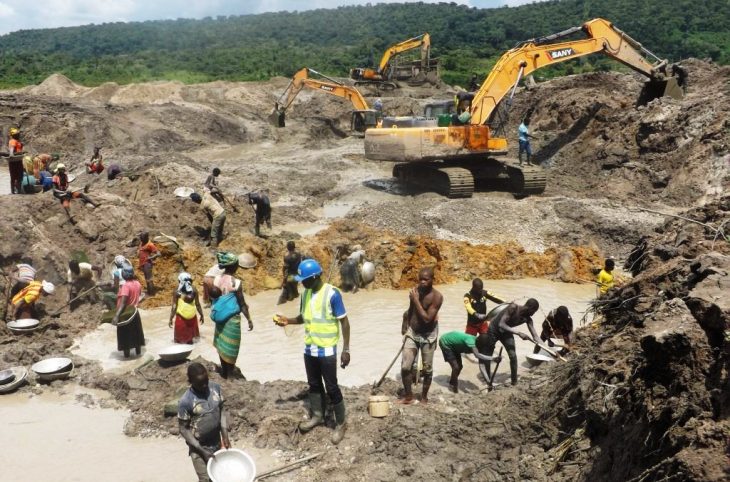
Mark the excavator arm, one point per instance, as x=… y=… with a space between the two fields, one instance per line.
x=301 y=79
x=602 y=37
x=363 y=116
x=423 y=41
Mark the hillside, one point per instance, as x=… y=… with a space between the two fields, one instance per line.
x=257 y=47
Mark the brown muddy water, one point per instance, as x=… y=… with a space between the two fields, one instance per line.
x=69 y=437
x=268 y=352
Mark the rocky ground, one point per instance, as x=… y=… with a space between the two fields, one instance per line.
x=645 y=396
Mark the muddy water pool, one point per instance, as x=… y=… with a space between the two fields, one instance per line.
x=271 y=353
x=56 y=437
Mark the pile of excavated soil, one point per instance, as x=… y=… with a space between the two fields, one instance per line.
x=596 y=143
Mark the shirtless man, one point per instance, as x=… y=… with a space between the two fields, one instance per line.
x=502 y=329
x=420 y=327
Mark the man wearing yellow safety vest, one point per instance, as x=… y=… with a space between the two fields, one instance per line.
x=322 y=311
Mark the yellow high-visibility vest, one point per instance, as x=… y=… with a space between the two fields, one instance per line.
x=321 y=327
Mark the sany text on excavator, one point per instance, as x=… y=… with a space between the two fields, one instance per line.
x=389 y=71
x=362 y=116
x=449 y=158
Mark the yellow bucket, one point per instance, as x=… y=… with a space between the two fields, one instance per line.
x=379 y=406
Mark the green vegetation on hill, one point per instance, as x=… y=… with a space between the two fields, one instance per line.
x=256 y=47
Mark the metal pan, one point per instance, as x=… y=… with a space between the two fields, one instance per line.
x=49 y=377
x=20 y=374
x=128 y=320
x=6 y=376
x=52 y=365
x=175 y=352
x=535 y=359
x=23 y=323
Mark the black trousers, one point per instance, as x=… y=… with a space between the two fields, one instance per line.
x=323 y=368
x=508 y=341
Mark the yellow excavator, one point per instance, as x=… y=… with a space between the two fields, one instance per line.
x=389 y=71
x=362 y=116
x=450 y=158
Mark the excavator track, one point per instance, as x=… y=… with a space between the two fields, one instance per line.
x=452 y=182
x=526 y=180
x=378 y=84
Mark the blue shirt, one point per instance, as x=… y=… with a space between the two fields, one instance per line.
x=523 y=132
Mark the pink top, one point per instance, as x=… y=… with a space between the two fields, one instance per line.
x=132 y=289
x=226 y=283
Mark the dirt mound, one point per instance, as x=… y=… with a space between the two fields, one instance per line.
x=596 y=143
x=57 y=85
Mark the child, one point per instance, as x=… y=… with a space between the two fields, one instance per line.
x=452 y=345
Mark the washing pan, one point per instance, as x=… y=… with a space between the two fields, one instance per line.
x=7 y=376
x=49 y=377
x=20 y=373
x=23 y=323
x=535 y=359
x=496 y=311
x=175 y=352
x=232 y=465
x=368 y=272
x=184 y=191
x=52 y=365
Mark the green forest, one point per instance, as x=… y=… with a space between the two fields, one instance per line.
x=257 y=47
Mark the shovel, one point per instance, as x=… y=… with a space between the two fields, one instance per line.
x=552 y=353
x=72 y=300
x=490 y=382
x=380 y=382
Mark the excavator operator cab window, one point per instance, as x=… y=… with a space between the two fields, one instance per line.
x=363 y=119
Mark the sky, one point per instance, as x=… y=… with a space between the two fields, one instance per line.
x=67 y=13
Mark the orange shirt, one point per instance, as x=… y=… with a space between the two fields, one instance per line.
x=15 y=146
x=145 y=251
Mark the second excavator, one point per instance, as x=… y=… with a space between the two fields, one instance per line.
x=450 y=158
x=362 y=116
x=389 y=71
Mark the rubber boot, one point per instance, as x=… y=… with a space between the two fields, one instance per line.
x=317 y=418
x=340 y=420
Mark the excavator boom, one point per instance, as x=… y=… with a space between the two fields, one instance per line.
x=534 y=54
x=386 y=74
x=331 y=86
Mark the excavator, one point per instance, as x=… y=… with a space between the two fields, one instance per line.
x=362 y=116
x=450 y=158
x=389 y=71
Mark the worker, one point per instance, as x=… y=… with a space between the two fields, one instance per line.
x=130 y=334
x=502 y=329
x=216 y=215
x=475 y=302
x=21 y=276
x=110 y=288
x=147 y=252
x=61 y=192
x=473 y=83
x=80 y=277
x=15 y=161
x=322 y=312
x=452 y=345
x=185 y=311
x=96 y=163
x=202 y=419
x=227 y=336
x=211 y=184
x=289 y=286
x=23 y=303
x=604 y=279
x=558 y=323
x=524 y=140
x=681 y=74
x=262 y=207
x=420 y=328
x=41 y=163
x=114 y=171
x=351 y=270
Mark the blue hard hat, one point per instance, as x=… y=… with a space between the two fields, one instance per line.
x=307 y=269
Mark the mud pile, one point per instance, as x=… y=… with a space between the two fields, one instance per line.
x=596 y=143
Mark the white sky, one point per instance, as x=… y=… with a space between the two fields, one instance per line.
x=66 y=13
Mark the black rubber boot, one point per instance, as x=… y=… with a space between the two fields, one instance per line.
x=341 y=423
x=317 y=414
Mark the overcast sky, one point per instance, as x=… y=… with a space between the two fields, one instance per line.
x=65 y=13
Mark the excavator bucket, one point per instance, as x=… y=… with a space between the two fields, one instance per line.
x=277 y=118
x=654 y=89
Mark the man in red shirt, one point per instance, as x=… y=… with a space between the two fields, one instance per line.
x=15 y=161
x=147 y=252
x=61 y=192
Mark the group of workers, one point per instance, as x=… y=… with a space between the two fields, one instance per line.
x=212 y=202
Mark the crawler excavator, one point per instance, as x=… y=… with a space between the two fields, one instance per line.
x=362 y=116
x=389 y=71
x=450 y=159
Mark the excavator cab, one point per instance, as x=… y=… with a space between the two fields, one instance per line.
x=363 y=119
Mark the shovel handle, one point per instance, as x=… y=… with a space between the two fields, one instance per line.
x=552 y=353
x=379 y=382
